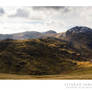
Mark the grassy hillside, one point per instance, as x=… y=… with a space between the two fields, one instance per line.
x=37 y=56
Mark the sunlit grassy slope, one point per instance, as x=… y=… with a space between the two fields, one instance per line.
x=37 y=56
x=84 y=71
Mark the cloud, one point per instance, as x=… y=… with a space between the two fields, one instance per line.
x=43 y=18
x=47 y=7
x=2 y=11
x=20 y=13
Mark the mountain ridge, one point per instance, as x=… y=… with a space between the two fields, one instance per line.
x=28 y=35
x=50 y=33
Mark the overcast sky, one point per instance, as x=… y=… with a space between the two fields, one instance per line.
x=20 y=19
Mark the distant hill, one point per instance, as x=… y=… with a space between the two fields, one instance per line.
x=50 y=32
x=28 y=35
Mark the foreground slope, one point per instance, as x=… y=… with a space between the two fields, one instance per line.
x=37 y=56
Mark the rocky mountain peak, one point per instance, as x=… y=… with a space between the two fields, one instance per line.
x=79 y=29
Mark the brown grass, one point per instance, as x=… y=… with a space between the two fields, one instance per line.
x=84 y=72
x=45 y=77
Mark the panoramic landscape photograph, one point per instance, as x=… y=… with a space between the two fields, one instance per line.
x=46 y=43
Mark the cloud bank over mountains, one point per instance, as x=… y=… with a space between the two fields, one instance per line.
x=43 y=18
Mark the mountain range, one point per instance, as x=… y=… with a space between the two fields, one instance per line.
x=34 y=34
x=28 y=35
x=43 y=53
